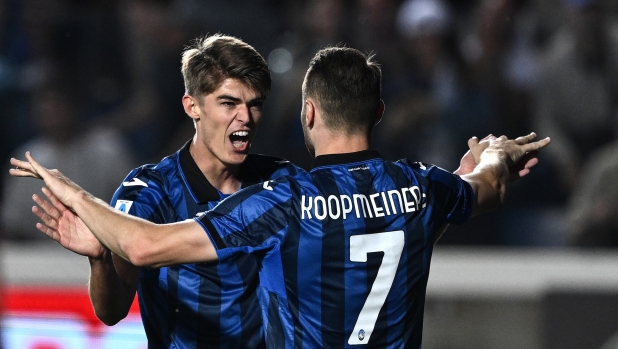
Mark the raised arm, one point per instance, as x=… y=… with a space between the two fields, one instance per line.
x=140 y=242
x=499 y=161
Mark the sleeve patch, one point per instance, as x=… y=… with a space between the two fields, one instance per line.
x=123 y=205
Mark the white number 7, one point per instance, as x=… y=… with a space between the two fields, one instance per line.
x=391 y=243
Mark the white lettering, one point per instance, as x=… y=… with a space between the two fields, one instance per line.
x=377 y=209
x=323 y=206
x=331 y=199
x=408 y=200
x=364 y=204
x=391 y=193
x=409 y=205
x=348 y=209
x=307 y=208
x=385 y=204
x=416 y=192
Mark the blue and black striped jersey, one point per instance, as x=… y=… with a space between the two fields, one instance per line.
x=344 y=249
x=195 y=305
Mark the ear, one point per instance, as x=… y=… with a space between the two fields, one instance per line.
x=380 y=112
x=310 y=113
x=191 y=107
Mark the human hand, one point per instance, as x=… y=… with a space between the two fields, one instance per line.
x=519 y=154
x=468 y=163
x=518 y=170
x=62 y=187
x=65 y=227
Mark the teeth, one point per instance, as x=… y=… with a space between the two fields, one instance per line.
x=241 y=133
x=238 y=144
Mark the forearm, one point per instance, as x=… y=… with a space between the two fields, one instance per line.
x=141 y=242
x=116 y=230
x=110 y=295
x=489 y=180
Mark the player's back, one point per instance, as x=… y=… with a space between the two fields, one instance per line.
x=365 y=238
x=344 y=249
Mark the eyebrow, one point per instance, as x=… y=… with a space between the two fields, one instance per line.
x=236 y=99
x=228 y=97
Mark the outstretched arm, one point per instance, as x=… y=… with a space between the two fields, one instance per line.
x=140 y=242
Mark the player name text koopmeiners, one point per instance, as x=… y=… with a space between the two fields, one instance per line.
x=380 y=204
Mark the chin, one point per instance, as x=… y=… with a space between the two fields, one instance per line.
x=237 y=159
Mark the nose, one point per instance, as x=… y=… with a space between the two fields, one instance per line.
x=244 y=114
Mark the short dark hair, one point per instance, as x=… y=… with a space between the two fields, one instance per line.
x=346 y=85
x=212 y=59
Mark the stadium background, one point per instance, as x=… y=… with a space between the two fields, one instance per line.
x=94 y=88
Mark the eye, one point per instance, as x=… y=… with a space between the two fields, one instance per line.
x=257 y=106
x=228 y=104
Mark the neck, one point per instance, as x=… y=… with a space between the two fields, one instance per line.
x=222 y=176
x=336 y=143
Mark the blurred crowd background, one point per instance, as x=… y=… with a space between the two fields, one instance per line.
x=94 y=88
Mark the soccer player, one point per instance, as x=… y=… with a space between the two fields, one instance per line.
x=344 y=249
x=205 y=305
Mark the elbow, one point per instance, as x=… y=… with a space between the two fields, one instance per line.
x=110 y=317
x=139 y=256
x=142 y=254
x=136 y=252
x=110 y=321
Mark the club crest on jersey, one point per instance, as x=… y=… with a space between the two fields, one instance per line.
x=123 y=205
x=135 y=182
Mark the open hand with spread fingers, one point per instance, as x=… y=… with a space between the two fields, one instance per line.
x=63 y=188
x=65 y=227
x=59 y=222
x=519 y=170
x=521 y=154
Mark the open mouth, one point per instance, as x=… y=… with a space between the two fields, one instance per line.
x=240 y=139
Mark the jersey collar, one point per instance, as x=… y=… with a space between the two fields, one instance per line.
x=346 y=158
x=201 y=188
x=197 y=182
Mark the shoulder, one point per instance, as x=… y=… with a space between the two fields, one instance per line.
x=417 y=167
x=430 y=173
x=266 y=166
x=148 y=178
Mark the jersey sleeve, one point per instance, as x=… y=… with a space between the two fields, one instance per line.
x=142 y=194
x=452 y=196
x=254 y=219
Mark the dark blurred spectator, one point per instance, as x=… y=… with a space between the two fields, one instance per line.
x=432 y=105
x=312 y=25
x=500 y=42
x=592 y=216
x=577 y=90
x=452 y=69
x=150 y=111
x=97 y=157
x=15 y=76
x=373 y=29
